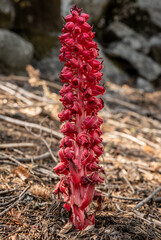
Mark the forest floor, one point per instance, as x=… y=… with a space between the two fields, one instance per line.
x=29 y=143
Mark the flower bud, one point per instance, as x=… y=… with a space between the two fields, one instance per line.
x=83 y=139
x=68 y=128
x=85 y=16
x=69 y=26
x=68 y=18
x=86 y=27
x=80 y=20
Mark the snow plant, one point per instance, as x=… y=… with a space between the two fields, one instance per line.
x=81 y=146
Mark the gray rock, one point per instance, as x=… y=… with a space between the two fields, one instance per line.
x=15 y=52
x=155 y=48
x=7 y=13
x=144 y=65
x=110 y=70
x=95 y=8
x=153 y=8
x=144 y=84
x=141 y=15
x=120 y=31
x=50 y=67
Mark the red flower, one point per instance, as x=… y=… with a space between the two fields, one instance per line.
x=81 y=146
x=68 y=128
x=61 y=168
x=83 y=139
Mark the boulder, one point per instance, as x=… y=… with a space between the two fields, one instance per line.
x=141 y=15
x=15 y=52
x=7 y=14
x=141 y=83
x=95 y=8
x=119 y=31
x=155 y=48
x=110 y=69
x=153 y=8
x=144 y=65
x=50 y=67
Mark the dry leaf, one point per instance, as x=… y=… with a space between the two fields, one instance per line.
x=22 y=173
x=66 y=228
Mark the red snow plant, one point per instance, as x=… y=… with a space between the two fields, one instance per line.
x=81 y=147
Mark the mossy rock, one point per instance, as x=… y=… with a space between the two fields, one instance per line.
x=43 y=43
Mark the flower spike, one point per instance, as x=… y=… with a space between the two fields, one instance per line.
x=81 y=146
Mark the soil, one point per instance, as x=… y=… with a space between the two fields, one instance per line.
x=28 y=152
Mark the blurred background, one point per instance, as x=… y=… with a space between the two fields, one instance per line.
x=128 y=33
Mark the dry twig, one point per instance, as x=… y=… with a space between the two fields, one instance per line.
x=147 y=199
x=30 y=159
x=18 y=95
x=25 y=79
x=14 y=145
x=14 y=160
x=21 y=196
x=31 y=125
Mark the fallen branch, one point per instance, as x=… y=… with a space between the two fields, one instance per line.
x=21 y=196
x=133 y=139
x=8 y=191
x=30 y=159
x=14 y=145
x=50 y=151
x=120 y=197
x=35 y=105
x=28 y=94
x=123 y=172
x=43 y=171
x=47 y=145
x=149 y=220
x=16 y=94
x=14 y=160
x=31 y=125
x=147 y=199
x=7 y=162
x=9 y=197
x=121 y=102
x=2 y=205
x=157 y=200
x=25 y=79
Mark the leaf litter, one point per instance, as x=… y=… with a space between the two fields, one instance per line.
x=132 y=161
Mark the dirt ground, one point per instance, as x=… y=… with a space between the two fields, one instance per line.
x=29 y=143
